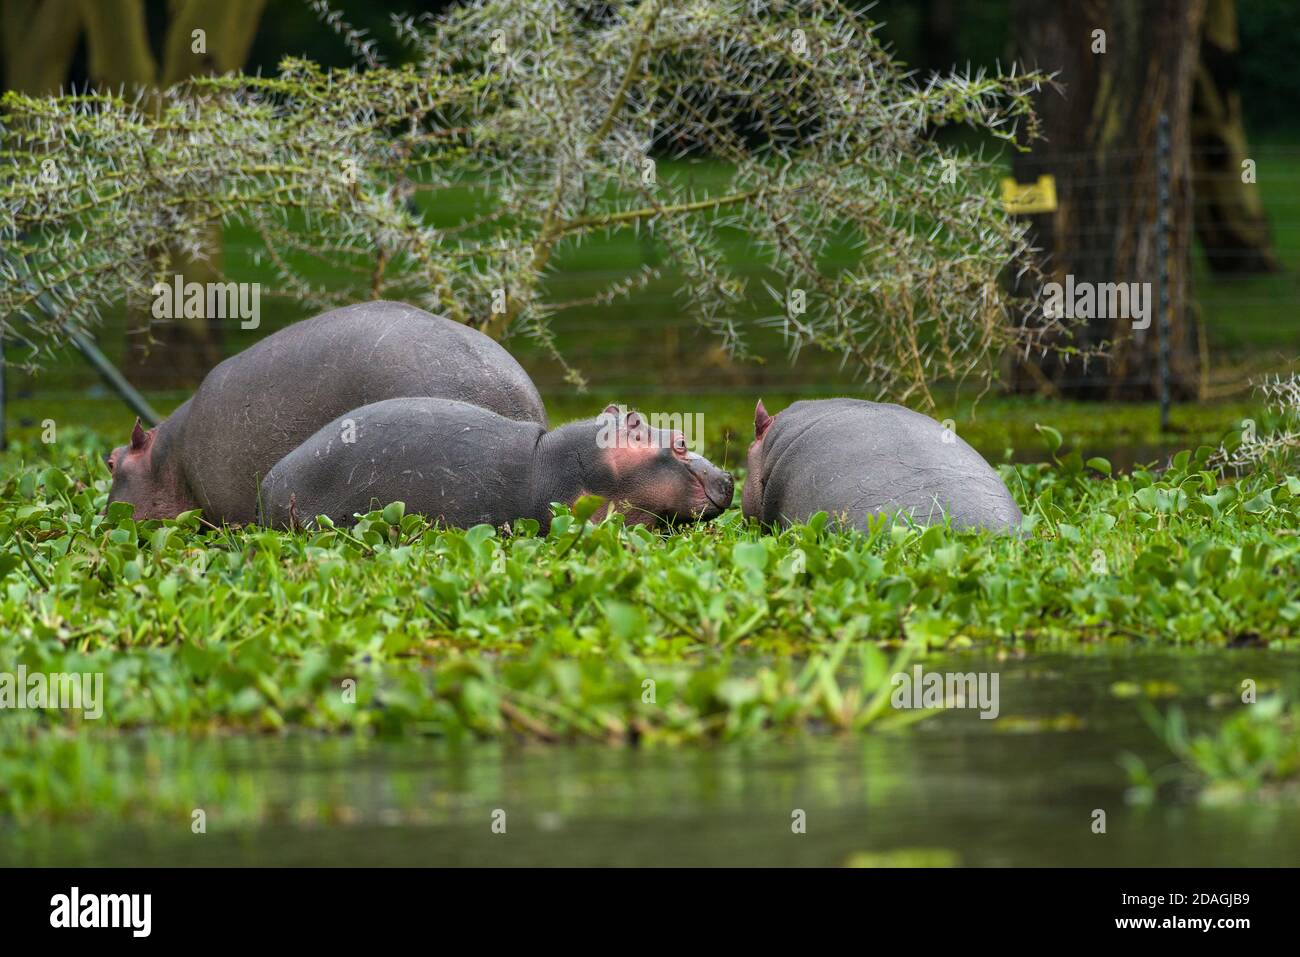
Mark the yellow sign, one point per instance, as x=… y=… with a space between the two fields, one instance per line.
x=1025 y=198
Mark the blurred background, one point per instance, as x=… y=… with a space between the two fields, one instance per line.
x=1232 y=312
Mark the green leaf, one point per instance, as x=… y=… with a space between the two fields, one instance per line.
x=55 y=481
x=119 y=512
x=931 y=539
x=751 y=555
x=479 y=534
x=1053 y=437
x=626 y=622
x=587 y=506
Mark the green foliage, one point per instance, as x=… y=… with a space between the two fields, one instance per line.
x=599 y=632
x=555 y=117
x=1255 y=752
x=1251 y=447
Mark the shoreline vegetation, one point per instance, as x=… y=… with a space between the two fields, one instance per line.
x=598 y=633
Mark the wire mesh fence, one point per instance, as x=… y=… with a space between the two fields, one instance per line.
x=648 y=344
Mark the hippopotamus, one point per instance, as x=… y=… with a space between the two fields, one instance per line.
x=463 y=465
x=855 y=459
x=258 y=406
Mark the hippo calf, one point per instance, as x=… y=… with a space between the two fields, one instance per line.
x=856 y=459
x=464 y=465
x=258 y=406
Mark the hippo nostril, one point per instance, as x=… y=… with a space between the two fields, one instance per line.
x=717 y=486
x=721 y=492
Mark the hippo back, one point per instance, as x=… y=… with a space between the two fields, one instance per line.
x=858 y=459
x=452 y=462
x=256 y=407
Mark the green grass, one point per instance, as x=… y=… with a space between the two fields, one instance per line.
x=999 y=426
x=1254 y=317
x=600 y=632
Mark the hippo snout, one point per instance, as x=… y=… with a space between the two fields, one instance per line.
x=719 y=485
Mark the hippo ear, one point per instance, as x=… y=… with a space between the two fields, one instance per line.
x=762 y=421
x=137 y=436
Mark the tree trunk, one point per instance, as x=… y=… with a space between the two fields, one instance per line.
x=1230 y=220
x=229 y=25
x=1101 y=148
x=118 y=44
x=40 y=39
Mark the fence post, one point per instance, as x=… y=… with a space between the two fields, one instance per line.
x=1162 y=271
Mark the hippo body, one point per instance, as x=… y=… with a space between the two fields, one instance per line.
x=463 y=465
x=856 y=459
x=256 y=407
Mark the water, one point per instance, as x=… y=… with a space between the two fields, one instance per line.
x=952 y=790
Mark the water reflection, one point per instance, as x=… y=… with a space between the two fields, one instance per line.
x=952 y=790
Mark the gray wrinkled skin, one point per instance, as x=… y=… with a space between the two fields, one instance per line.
x=855 y=460
x=463 y=465
x=256 y=407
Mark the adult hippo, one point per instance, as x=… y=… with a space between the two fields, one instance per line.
x=256 y=407
x=856 y=459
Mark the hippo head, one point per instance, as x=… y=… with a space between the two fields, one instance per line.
x=650 y=475
x=136 y=478
x=751 y=497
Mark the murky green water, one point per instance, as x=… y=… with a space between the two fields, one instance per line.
x=952 y=790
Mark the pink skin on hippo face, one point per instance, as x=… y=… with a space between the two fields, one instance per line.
x=135 y=479
x=651 y=475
